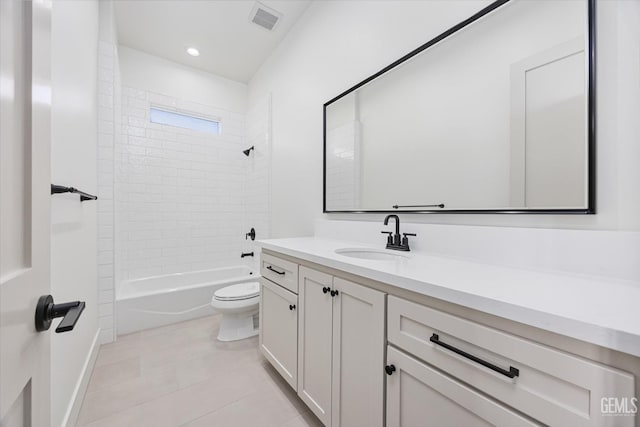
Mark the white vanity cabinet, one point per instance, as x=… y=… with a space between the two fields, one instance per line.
x=279 y=315
x=279 y=329
x=548 y=385
x=333 y=340
x=340 y=350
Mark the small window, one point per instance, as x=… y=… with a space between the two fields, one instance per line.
x=171 y=118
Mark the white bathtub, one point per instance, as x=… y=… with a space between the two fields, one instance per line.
x=161 y=300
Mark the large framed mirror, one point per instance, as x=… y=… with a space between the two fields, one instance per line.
x=495 y=115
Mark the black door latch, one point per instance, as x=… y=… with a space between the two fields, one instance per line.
x=46 y=311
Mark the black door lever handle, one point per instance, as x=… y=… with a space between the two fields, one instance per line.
x=46 y=311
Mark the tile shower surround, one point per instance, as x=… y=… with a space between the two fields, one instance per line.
x=185 y=199
x=175 y=200
x=109 y=131
x=179 y=198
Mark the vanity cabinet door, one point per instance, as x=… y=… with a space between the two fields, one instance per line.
x=315 y=341
x=279 y=329
x=420 y=396
x=358 y=356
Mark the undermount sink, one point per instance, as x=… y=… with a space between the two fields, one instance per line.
x=371 y=254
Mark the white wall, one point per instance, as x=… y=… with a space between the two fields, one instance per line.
x=328 y=51
x=73 y=163
x=151 y=73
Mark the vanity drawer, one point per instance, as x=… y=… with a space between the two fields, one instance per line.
x=551 y=386
x=419 y=395
x=280 y=271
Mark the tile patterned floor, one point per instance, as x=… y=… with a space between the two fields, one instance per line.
x=180 y=375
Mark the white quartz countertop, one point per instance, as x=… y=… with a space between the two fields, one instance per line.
x=593 y=309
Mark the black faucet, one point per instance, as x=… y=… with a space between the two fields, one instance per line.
x=394 y=241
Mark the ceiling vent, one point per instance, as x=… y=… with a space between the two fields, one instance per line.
x=264 y=16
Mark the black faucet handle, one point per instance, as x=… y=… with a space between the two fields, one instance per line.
x=405 y=239
x=389 y=237
x=387 y=232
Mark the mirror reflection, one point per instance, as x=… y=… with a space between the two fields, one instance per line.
x=493 y=117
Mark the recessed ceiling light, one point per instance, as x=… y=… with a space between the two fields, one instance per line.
x=193 y=51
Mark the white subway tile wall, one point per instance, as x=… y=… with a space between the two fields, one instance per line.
x=109 y=123
x=185 y=199
x=179 y=192
x=257 y=183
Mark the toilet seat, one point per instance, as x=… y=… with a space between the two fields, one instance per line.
x=238 y=292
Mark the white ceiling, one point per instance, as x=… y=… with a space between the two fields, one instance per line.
x=230 y=45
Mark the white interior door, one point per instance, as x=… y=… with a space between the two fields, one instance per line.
x=25 y=103
x=549 y=157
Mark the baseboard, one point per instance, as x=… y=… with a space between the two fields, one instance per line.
x=71 y=416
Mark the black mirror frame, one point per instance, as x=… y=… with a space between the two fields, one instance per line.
x=591 y=125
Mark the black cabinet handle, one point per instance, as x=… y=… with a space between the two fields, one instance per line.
x=275 y=271
x=389 y=369
x=334 y=293
x=292 y=307
x=325 y=290
x=511 y=373
x=46 y=311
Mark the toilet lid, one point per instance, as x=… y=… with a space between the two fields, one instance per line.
x=238 y=292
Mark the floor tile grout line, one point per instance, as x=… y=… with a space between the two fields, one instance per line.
x=159 y=366
x=159 y=397
x=216 y=410
x=297 y=413
x=201 y=334
x=301 y=414
x=128 y=408
x=91 y=391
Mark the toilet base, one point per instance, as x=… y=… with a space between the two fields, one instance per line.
x=235 y=327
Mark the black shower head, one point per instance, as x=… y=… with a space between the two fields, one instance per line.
x=247 y=151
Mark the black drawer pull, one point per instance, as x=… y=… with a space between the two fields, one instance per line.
x=389 y=369
x=512 y=372
x=275 y=271
x=292 y=307
x=325 y=290
x=334 y=293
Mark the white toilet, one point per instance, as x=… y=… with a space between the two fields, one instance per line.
x=239 y=307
